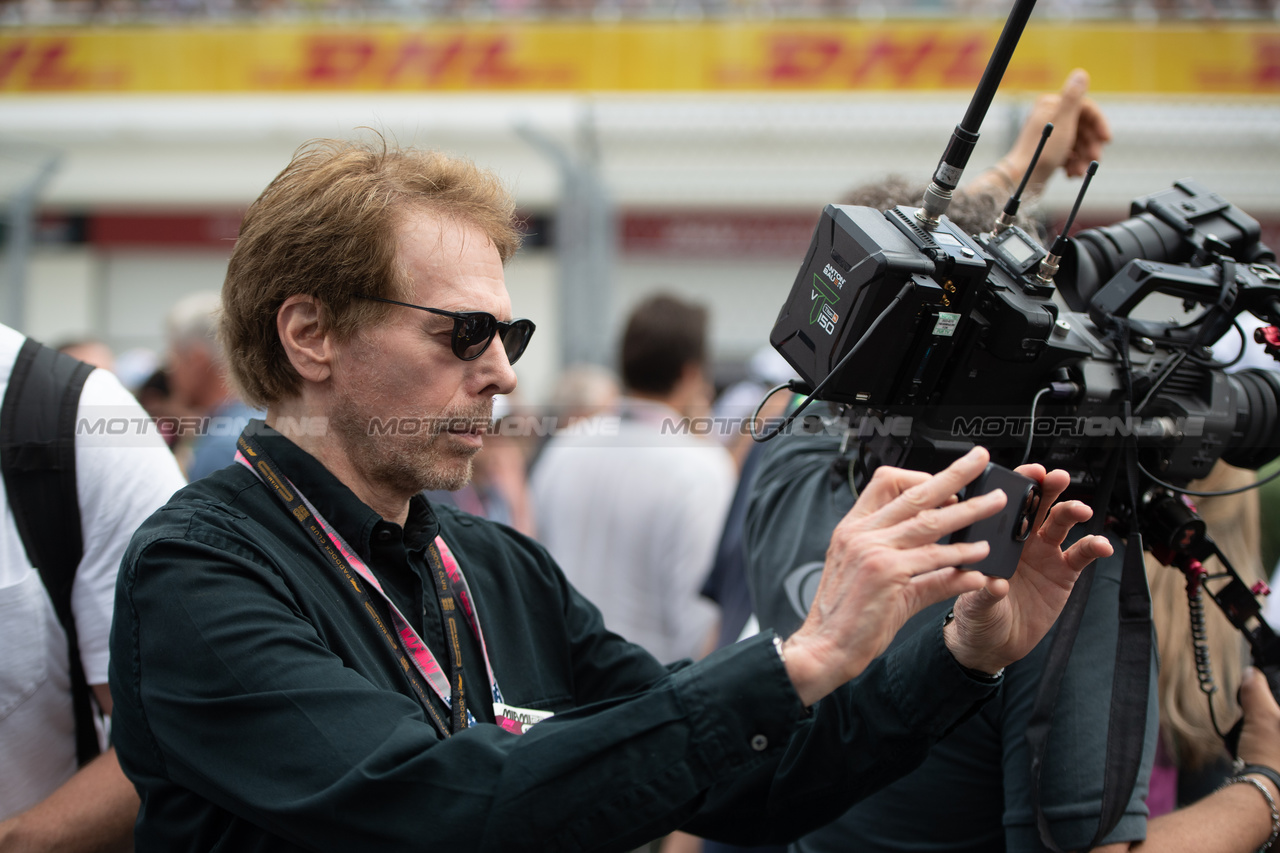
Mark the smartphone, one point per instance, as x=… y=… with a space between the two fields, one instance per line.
x=1007 y=530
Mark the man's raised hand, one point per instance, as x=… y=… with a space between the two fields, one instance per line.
x=1005 y=619
x=883 y=565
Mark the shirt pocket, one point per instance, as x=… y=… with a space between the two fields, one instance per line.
x=24 y=615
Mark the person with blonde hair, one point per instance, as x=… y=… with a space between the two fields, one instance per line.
x=1192 y=760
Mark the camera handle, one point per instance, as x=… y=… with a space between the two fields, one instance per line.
x=1138 y=279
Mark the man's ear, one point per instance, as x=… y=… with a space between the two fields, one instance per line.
x=692 y=393
x=306 y=340
x=693 y=380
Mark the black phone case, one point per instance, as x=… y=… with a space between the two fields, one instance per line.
x=1007 y=530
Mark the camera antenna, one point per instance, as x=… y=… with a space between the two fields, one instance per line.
x=1049 y=266
x=1011 y=206
x=937 y=198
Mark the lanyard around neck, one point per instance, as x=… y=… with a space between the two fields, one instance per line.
x=454 y=594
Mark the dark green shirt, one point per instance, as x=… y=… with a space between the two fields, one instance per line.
x=258 y=707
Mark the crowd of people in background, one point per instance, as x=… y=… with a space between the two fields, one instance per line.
x=42 y=12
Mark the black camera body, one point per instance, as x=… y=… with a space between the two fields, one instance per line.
x=969 y=334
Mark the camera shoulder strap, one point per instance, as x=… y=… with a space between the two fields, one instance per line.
x=1130 y=678
x=38 y=459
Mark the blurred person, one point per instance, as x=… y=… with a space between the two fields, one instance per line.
x=734 y=407
x=197 y=378
x=52 y=796
x=632 y=514
x=90 y=351
x=1080 y=132
x=135 y=365
x=1192 y=761
x=583 y=391
x=1239 y=350
x=1269 y=499
x=977 y=783
x=156 y=398
x=280 y=624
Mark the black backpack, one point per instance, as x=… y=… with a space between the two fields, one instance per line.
x=38 y=458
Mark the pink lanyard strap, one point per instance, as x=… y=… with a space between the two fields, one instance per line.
x=344 y=557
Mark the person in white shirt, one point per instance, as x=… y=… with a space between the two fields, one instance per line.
x=632 y=508
x=47 y=802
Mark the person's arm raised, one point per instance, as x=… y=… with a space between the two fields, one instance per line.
x=1080 y=131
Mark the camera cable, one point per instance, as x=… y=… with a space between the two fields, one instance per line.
x=1031 y=423
x=1181 y=490
x=800 y=388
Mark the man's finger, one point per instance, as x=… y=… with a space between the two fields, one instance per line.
x=1062 y=517
x=885 y=485
x=1052 y=486
x=1073 y=91
x=934 y=490
x=1084 y=552
x=932 y=587
x=1034 y=470
x=928 y=558
x=1093 y=123
x=932 y=524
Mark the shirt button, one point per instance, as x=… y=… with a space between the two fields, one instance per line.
x=384 y=535
x=759 y=743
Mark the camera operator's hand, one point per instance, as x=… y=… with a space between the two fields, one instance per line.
x=1080 y=131
x=883 y=565
x=1003 y=621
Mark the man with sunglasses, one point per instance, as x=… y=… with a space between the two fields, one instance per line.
x=306 y=654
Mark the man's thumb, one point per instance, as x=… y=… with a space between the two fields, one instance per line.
x=1076 y=86
x=1255 y=692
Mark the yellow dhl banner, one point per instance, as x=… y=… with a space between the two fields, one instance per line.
x=1205 y=58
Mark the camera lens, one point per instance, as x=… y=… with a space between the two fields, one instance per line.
x=1256 y=395
x=1098 y=253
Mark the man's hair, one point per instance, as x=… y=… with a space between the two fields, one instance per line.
x=193 y=321
x=583 y=390
x=326 y=227
x=663 y=335
x=973 y=212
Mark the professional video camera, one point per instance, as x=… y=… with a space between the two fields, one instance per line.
x=976 y=349
x=931 y=340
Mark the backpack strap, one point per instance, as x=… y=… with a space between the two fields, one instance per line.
x=38 y=458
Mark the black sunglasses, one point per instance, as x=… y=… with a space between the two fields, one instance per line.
x=473 y=331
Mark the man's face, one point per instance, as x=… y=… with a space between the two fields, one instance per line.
x=189 y=368
x=410 y=413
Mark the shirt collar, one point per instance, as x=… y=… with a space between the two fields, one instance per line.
x=337 y=504
x=644 y=410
